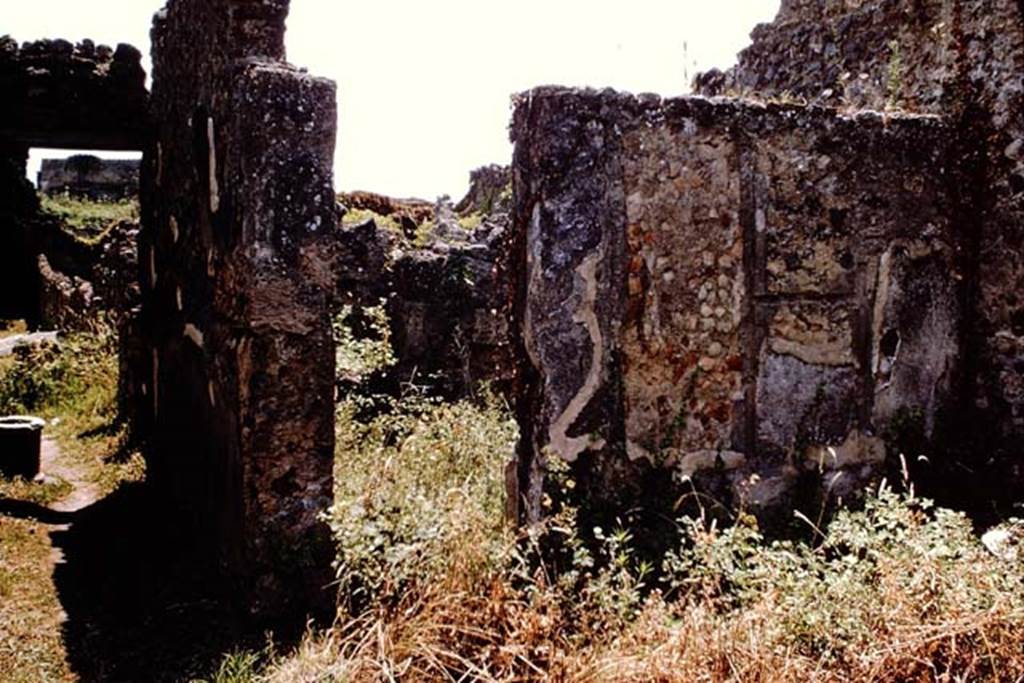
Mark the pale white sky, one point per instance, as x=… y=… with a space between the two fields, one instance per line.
x=424 y=85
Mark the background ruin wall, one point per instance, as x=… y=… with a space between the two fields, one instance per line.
x=57 y=94
x=84 y=175
x=964 y=60
x=237 y=195
x=752 y=298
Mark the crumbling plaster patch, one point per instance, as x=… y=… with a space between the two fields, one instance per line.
x=566 y=447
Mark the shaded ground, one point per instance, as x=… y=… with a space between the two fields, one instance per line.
x=91 y=591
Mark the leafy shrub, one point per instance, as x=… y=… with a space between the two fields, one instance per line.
x=360 y=355
x=414 y=483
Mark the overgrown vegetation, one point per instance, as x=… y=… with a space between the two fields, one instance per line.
x=383 y=222
x=362 y=342
x=894 y=77
x=435 y=585
x=415 y=483
x=88 y=219
x=73 y=385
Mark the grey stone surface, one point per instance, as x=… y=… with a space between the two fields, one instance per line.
x=8 y=344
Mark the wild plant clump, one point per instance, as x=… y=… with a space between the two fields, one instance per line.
x=88 y=219
x=896 y=591
x=78 y=375
x=415 y=483
x=434 y=584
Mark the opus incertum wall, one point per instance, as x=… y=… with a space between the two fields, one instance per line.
x=744 y=296
x=237 y=199
x=962 y=60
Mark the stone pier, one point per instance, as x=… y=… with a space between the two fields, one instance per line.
x=237 y=198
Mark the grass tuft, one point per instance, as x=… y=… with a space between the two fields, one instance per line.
x=87 y=219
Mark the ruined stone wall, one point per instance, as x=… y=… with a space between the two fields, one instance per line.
x=81 y=96
x=438 y=269
x=237 y=195
x=89 y=176
x=748 y=297
x=56 y=94
x=18 y=206
x=962 y=59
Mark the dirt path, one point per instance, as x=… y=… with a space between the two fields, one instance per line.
x=32 y=616
x=84 y=491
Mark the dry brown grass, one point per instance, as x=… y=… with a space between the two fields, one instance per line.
x=457 y=636
x=30 y=612
x=896 y=593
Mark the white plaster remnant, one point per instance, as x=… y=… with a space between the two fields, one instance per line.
x=177 y=296
x=213 y=395
x=209 y=262
x=760 y=220
x=195 y=334
x=566 y=447
x=881 y=301
x=534 y=270
x=214 y=190
x=174 y=229
x=833 y=352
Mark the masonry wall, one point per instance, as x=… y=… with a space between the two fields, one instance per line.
x=964 y=60
x=84 y=96
x=18 y=205
x=89 y=176
x=56 y=94
x=750 y=298
x=237 y=196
